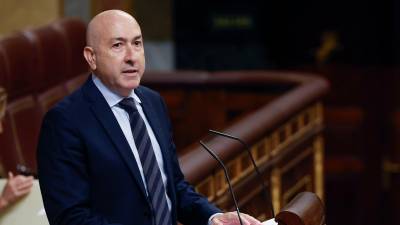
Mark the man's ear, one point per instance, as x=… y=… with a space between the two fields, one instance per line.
x=90 y=57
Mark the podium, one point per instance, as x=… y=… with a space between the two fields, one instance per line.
x=305 y=209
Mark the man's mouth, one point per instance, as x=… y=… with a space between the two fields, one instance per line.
x=130 y=71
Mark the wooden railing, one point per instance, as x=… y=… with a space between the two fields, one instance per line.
x=285 y=135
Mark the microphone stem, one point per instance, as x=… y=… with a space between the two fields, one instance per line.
x=259 y=175
x=227 y=178
x=247 y=148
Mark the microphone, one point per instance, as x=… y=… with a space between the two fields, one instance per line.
x=226 y=176
x=246 y=146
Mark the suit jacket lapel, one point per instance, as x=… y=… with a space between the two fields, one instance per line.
x=105 y=116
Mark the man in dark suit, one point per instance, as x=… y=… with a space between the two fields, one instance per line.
x=106 y=154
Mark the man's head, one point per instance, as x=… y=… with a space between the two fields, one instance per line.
x=3 y=98
x=115 y=50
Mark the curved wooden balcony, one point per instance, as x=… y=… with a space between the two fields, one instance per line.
x=284 y=132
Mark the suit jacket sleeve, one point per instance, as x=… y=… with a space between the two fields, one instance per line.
x=192 y=208
x=63 y=175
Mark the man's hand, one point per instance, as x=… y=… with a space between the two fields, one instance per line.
x=231 y=218
x=15 y=188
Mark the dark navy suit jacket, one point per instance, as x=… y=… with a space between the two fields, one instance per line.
x=87 y=171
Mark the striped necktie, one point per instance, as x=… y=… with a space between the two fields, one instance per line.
x=151 y=170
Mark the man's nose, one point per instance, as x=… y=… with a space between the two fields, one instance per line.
x=130 y=54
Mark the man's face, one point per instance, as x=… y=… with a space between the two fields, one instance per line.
x=118 y=52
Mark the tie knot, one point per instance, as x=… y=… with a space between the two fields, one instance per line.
x=128 y=104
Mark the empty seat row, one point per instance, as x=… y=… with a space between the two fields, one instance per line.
x=22 y=123
x=38 y=67
x=35 y=59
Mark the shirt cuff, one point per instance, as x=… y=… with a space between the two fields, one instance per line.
x=212 y=216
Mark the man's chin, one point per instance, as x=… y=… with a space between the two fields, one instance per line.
x=132 y=85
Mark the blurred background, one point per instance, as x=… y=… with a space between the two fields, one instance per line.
x=353 y=44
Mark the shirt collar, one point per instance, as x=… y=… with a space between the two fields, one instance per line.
x=111 y=97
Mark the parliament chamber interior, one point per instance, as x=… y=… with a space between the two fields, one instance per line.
x=311 y=89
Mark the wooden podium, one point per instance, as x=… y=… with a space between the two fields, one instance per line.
x=305 y=209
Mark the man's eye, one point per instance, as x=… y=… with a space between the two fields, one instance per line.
x=138 y=43
x=117 y=45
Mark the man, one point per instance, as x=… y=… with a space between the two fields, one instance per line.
x=106 y=154
x=16 y=186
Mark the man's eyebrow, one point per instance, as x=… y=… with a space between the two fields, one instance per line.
x=124 y=39
x=118 y=39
